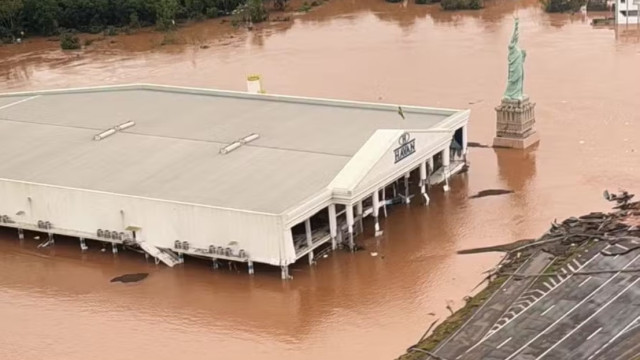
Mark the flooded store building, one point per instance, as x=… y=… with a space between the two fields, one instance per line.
x=222 y=175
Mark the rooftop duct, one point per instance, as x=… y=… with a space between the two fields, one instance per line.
x=104 y=134
x=229 y=148
x=236 y=144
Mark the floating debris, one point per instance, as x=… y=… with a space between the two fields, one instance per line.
x=128 y=278
x=374 y=254
x=615 y=228
x=477 y=145
x=491 y=192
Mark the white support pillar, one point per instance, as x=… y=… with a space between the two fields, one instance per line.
x=215 y=264
x=350 y=226
x=51 y=241
x=407 y=200
x=446 y=160
x=446 y=157
x=376 y=211
x=423 y=182
x=83 y=245
x=114 y=248
x=250 y=267
x=359 y=212
x=307 y=228
x=284 y=272
x=464 y=139
x=20 y=234
x=333 y=225
x=384 y=200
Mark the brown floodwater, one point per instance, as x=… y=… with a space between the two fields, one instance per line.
x=59 y=304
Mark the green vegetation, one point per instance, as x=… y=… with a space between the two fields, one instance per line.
x=280 y=4
x=557 y=6
x=462 y=4
x=251 y=11
x=597 y=5
x=69 y=41
x=307 y=6
x=19 y=18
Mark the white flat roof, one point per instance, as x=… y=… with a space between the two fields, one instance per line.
x=172 y=152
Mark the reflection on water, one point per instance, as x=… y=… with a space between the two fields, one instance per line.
x=60 y=304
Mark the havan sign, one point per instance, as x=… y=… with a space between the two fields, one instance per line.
x=407 y=147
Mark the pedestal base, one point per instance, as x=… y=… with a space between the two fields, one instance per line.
x=516 y=143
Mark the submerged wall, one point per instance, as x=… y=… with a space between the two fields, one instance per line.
x=262 y=236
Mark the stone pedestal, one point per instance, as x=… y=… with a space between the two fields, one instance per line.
x=515 y=119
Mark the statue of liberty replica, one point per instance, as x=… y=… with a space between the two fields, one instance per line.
x=515 y=115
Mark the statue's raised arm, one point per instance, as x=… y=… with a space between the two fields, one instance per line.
x=515 y=80
x=515 y=37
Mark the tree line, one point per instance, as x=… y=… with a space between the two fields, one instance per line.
x=19 y=18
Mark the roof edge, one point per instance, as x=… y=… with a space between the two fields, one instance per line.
x=407 y=109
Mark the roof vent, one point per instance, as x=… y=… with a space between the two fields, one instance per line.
x=229 y=148
x=249 y=138
x=125 y=126
x=113 y=130
x=236 y=144
x=104 y=134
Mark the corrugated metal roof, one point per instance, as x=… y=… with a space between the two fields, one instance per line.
x=172 y=151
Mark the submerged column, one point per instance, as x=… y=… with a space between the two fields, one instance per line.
x=406 y=188
x=376 y=210
x=423 y=182
x=446 y=160
x=350 y=226
x=359 y=216
x=51 y=240
x=333 y=225
x=250 y=266
x=307 y=227
x=284 y=272
x=83 y=245
x=464 y=139
x=384 y=200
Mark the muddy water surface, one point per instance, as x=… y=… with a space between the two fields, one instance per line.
x=59 y=304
